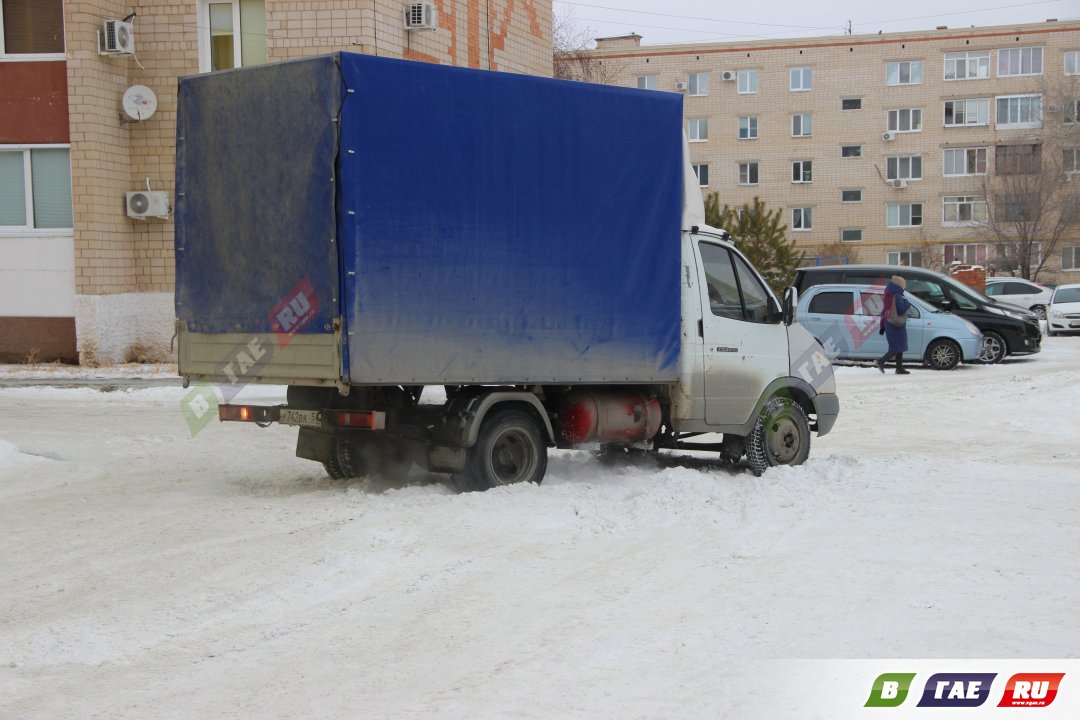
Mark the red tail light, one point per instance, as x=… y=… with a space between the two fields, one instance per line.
x=368 y=419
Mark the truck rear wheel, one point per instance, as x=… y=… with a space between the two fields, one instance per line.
x=781 y=436
x=509 y=449
x=346 y=460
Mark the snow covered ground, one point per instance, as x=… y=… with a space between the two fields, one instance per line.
x=148 y=574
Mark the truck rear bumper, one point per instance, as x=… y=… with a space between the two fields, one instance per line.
x=826 y=407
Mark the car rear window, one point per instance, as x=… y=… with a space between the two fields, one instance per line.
x=808 y=279
x=832 y=303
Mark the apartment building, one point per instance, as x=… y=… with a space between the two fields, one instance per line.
x=897 y=147
x=80 y=278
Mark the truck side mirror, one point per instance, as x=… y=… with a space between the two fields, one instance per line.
x=791 y=299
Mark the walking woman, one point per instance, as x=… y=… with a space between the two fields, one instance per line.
x=894 y=324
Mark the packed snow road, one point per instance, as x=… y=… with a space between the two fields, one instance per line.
x=150 y=574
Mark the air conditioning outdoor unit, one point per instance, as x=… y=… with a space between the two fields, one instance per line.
x=118 y=38
x=682 y=86
x=421 y=16
x=142 y=204
x=729 y=75
x=887 y=136
x=899 y=184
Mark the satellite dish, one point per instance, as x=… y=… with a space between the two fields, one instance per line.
x=139 y=102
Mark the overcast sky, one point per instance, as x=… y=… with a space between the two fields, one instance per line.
x=684 y=21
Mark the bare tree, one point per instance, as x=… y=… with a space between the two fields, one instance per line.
x=1032 y=201
x=572 y=56
x=838 y=253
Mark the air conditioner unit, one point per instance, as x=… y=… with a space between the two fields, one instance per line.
x=899 y=184
x=729 y=75
x=118 y=38
x=144 y=204
x=421 y=16
x=682 y=86
x=887 y=136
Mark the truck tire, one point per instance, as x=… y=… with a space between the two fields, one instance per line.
x=509 y=449
x=346 y=461
x=781 y=436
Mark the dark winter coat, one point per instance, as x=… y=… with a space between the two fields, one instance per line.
x=897 y=336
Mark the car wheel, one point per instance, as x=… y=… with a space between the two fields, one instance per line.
x=510 y=449
x=781 y=436
x=1040 y=311
x=993 y=349
x=943 y=354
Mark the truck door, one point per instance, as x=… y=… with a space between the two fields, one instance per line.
x=745 y=342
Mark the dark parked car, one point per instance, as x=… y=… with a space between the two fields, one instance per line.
x=1007 y=329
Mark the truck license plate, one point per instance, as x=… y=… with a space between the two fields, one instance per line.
x=307 y=418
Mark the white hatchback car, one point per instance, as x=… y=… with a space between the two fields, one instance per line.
x=1063 y=313
x=1017 y=291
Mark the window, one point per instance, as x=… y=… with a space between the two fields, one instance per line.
x=963 y=210
x=832 y=302
x=697 y=129
x=1020 y=61
x=964 y=161
x=1070 y=257
x=699 y=84
x=904 y=215
x=906 y=258
x=748 y=128
x=969 y=254
x=905 y=120
x=747 y=81
x=851 y=151
x=735 y=292
x=801 y=79
x=1017 y=159
x=1015 y=208
x=802 y=218
x=35 y=188
x=967 y=112
x=1070 y=160
x=31 y=27
x=231 y=34
x=1072 y=62
x=802 y=125
x=1072 y=112
x=904 y=168
x=851 y=235
x=973 y=65
x=1012 y=255
x=1019 y=111
x=851 y=104
x=802 y=171
x=904 y=73
x=702 y=172
x=646 y=82
x=748 y=173
x=851 y=196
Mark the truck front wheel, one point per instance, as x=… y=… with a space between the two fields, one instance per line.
x=509 y=449
x=781 y=436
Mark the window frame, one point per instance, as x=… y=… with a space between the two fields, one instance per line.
x=1020 y=57
x=1073 y=55
x=894 y=166
x=972 y=202
x=655 y=82
x=28 y=230
x=806 y=79
x=850 y=100
x=899 y=215
x=848 y=230
x=753 y=168
x=899 y=74
x=850 y=190
x=806 y=218
x=751 y=127
x=5 y=56
x=1072 y=167
x=965 y=150
x=805 y=121
x=698 y=123
x=697 y=167
x=1019 y=125
x=848 y=155
x=702 y=89
x=911 y=255
x=980 y=112
x=749 y=75
x=985 y=252
x=203 y=29
x=910 y=111
x=1073 y=250
x=968 y=54
x=806 y=172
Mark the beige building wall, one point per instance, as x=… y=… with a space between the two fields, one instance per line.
x=124 y=268
x=850 y=67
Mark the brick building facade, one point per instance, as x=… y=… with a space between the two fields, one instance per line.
x=885 y=146
x=79 y=279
